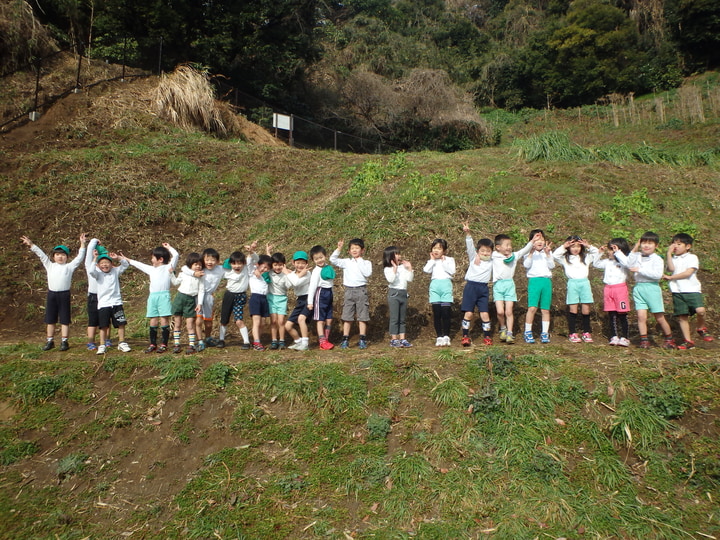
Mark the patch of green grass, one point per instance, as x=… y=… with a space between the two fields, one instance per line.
x=14 y=450
x=638 y=425
x=176 y=368
x=40 y=389
x=451 y=392
x=218 y=375
x=71 y=464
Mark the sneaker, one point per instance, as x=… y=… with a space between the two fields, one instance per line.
x=395 y=343
x=404 y=343
x=704 y=334
x=587 y=337
x=644 y=344
x=545 y=337
x=211 y=342
x=509 y=338
x=124 y=347
x=614 y=341
x=64 y=345
x=574 y=338
x=49 y=344
x=686 y=345
x=487 y=341
x=177 y=349
x=294 y=346
x=281 y=346
x=190 y=350
x=362 y=344
x=151 y=348
x=466 y=341
x=302 y=347
x=529 y=337
x=623 y=342
x=108 y=343
x=257 y=346
x=245 y=347
x=503 y=334
x=325 y=345
x=220 y=344
x=200 y=346
x=439 y=342
x=669 y=343
x=446 y=341
x=91 y=347
x=101 y=349
x=162 y=349
x=344 y=344
x=274 y=345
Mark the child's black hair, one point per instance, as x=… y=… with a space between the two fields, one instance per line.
x=439 y=242
x=484 y=242
x=621 y=243
x=264 y=259
x=650 y=236
x=317 y=249
x=278 y=258
x=161 y=252
x=357 y=242
x=500 y=238
x=210 y=252
x=238 y=257
x=685 y=238
x=534 y=232
x=583 y=251
x=193 y=258
x=389 y=255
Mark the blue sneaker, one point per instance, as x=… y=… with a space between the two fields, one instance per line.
x=529 y=337
x=91 y=347
x=200 y=346
x=108 y=343
x=544 y=337
x=362 y=344
x=344 y=344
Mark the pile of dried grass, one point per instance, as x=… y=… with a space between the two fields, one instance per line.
x=186 y=98
x=22 y=37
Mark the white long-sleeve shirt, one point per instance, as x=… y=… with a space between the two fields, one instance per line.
x=190 y=285
x=59 y=276
x=690 y=284
x=480 y=273
x=108 y=284
x=160 y=276
x=300 y=284
x=614 y=273
x=278 y=283
x=356 y=272
x=238 y=282
x=212 y=277
x=440 y=268
x=538 y=264
x=574 y=266
x=89 y=263
x=398 y=277
x=258 y=285
x=504 y=268
x=650 y=268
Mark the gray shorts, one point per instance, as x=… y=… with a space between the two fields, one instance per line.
x=356 y=303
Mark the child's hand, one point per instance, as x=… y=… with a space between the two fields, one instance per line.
x=602 y=249
x=407 y=265
x=637 y=246
x=548 y=248
x=667 y=277
x=286 y=270
x=268 y=249
x=83 y=239
x=113 y=255
x=198 y=309
x=341 y=243
x=568 y=243
x=198 y=273
x=466 y=227
x=171 y=269
x=26 y=241
x=121 y=256
x=671 y=249
x=634 y=269
x=310 y=307
x=252 y=247
x=538 y=236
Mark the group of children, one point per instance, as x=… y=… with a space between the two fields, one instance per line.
x=268 y=279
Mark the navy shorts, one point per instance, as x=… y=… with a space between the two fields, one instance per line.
x=259 y=305
x=114 y=314
x=475 y=294
x=92 y=310
x=300 y=309
x=323 y=304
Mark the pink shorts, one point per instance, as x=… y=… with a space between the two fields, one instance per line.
x=616 y=298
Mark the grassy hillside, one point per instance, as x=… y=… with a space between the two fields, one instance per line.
x=505 y=442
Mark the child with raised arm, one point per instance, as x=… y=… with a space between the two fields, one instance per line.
x=356 y=303
x=277 y=299
x=686 y=289
x=616 y=297
x=476 y=292
x=259 y=282
x=211 y=272
x=109 y=299
x=398 y=273
x=539 y=264
x=299 y=280
x=59 y=275
x=320 y=295
x=441 y=268
x=504 y=262
x=159 y=307
x=575 y=256
x=188 y=302
x=648 y=268
x=235 y=297
x=92 y=297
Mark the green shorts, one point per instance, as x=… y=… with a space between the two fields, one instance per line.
x=277 y=304
x=504 y=291
x=540 y=292
x=184 y=305
x=687 y=303
x=441 y=291
x=578 y=292
x=648 y=296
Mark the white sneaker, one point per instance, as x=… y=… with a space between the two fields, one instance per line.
x=440 y=342
x=446 y=341
x=624 y=342
x=124 y=347
x=302 y=347
x=614 y=340
x=101 y=349
x=293 y=347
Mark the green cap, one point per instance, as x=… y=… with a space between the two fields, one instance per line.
x=300 y=255
x=64 y=249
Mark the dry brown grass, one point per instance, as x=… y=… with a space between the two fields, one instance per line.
x=23 y=37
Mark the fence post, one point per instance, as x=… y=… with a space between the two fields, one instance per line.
x=160 y=57
x=122 y=78
x=77 y=79
x=34 y=115
x=292 y=126
x=335 y=137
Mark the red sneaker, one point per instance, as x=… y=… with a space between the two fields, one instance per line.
x=704 y=334
x=466 y=342
x=325 y=345
x=487 y=341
